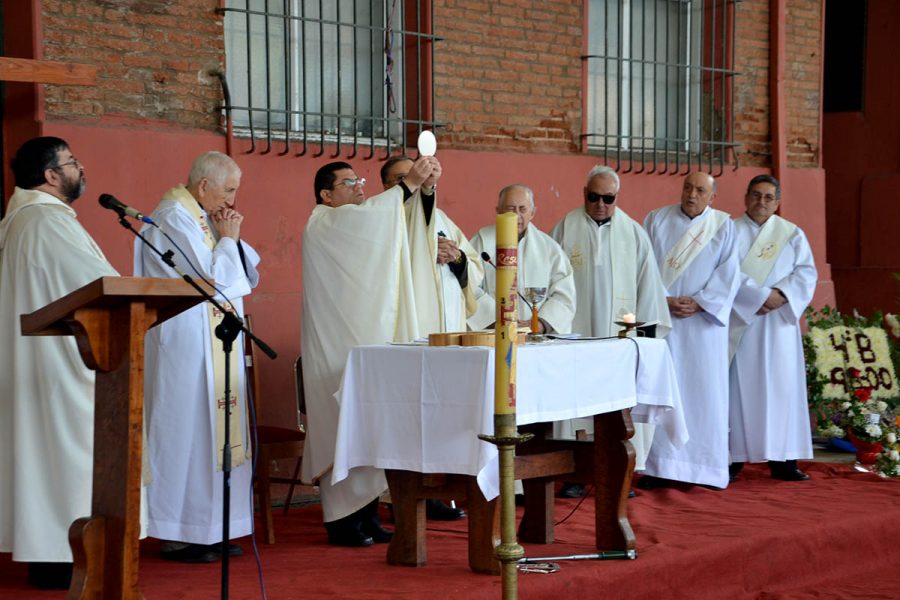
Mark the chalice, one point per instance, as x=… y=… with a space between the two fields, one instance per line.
x=535 y=295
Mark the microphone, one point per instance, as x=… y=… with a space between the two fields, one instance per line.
x=487 y=258
x=109 y=201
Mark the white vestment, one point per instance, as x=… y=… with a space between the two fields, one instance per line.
x=357 y=290
x=441 y=303
x=769 y=413
x=542 y=264
x=699 y=346
x=615 y=273
x=46 y=391
x=185 y=493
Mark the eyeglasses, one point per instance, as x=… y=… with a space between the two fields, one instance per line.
x=761 y=196
x=351 y=183
x=593 y=197
x=74 y=161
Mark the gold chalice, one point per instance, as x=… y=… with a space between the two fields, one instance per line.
x=535 y=295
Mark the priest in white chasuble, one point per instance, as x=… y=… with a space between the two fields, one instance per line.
x=446 y=270
x=695 y=248
x=184 y=377
x=542 y=264
x=615 y=274
x=357 y=289
x=769 y=412
x=47 y=397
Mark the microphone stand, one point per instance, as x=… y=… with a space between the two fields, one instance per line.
x=227 y=331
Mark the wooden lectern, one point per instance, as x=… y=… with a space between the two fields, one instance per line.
x=109 y=318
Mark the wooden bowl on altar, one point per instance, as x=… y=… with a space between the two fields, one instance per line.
x=469 y=338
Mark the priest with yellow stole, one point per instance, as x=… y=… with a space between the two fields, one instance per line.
x=184 y=384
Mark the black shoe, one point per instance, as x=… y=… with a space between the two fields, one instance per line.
x=50 y=576
x=192 y=553
x=233 y=549
x=733 y=470
x=435 y=510
x=649 y=482
x=571 y=490
x=787 y=471
x=376 y=532
x=350 y=537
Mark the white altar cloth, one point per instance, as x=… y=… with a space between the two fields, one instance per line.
x=421 y=408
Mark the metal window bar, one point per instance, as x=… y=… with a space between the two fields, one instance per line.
x=322 y=65
x=663 y=84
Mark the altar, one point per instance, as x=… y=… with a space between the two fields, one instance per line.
x=419 y=409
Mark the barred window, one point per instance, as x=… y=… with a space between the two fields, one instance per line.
x=660 y=82
x=311 y=72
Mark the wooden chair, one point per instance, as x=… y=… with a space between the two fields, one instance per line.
x=273 y=442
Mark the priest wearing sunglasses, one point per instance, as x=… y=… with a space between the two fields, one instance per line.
x=615 y=274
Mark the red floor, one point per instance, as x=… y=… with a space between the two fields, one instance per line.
x=832 y=537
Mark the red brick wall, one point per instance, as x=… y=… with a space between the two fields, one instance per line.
x=802 y=86
x=153 y=56
x=508 y=74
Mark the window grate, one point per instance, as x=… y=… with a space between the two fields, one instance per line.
x=306 y=74
x=660 y=84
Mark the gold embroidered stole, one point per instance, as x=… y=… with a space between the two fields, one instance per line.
x=184 y=198
x=771 y=239
x=688 y=247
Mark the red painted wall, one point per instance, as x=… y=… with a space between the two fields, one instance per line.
x=862 y=162
x=276 y=197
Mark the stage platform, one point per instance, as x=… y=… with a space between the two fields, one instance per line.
x=831 y=537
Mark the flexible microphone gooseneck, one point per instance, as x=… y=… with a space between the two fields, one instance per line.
x=487 y=258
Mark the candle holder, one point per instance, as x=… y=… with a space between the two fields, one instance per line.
x=628 y=327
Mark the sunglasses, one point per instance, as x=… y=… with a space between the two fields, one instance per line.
x=593 y=197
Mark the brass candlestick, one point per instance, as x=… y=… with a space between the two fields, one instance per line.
x=628 y=327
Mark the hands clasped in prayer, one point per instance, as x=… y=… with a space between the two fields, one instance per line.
x=775 y=301
x=683 y=306
x=228 y=223
x=447 y=251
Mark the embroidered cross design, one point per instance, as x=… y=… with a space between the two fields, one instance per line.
x=675 y=261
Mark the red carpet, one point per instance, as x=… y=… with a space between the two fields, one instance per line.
x=829 y=538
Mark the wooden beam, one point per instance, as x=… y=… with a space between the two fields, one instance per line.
x=46 y=71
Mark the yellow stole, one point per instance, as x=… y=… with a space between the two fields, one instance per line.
x=184 y=198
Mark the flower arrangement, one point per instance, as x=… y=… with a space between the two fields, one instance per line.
x=851 y=380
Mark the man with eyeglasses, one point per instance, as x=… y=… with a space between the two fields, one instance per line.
x=615 y=274
x=695 y=248
x=769 y=415
x=47 y=398
x=357 y=289
x=184 y=385
x=446 y=268
x=542 y=264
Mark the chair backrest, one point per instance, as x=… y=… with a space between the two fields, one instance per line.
x=301 y=396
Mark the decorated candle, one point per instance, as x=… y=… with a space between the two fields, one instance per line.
x=507 y=315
